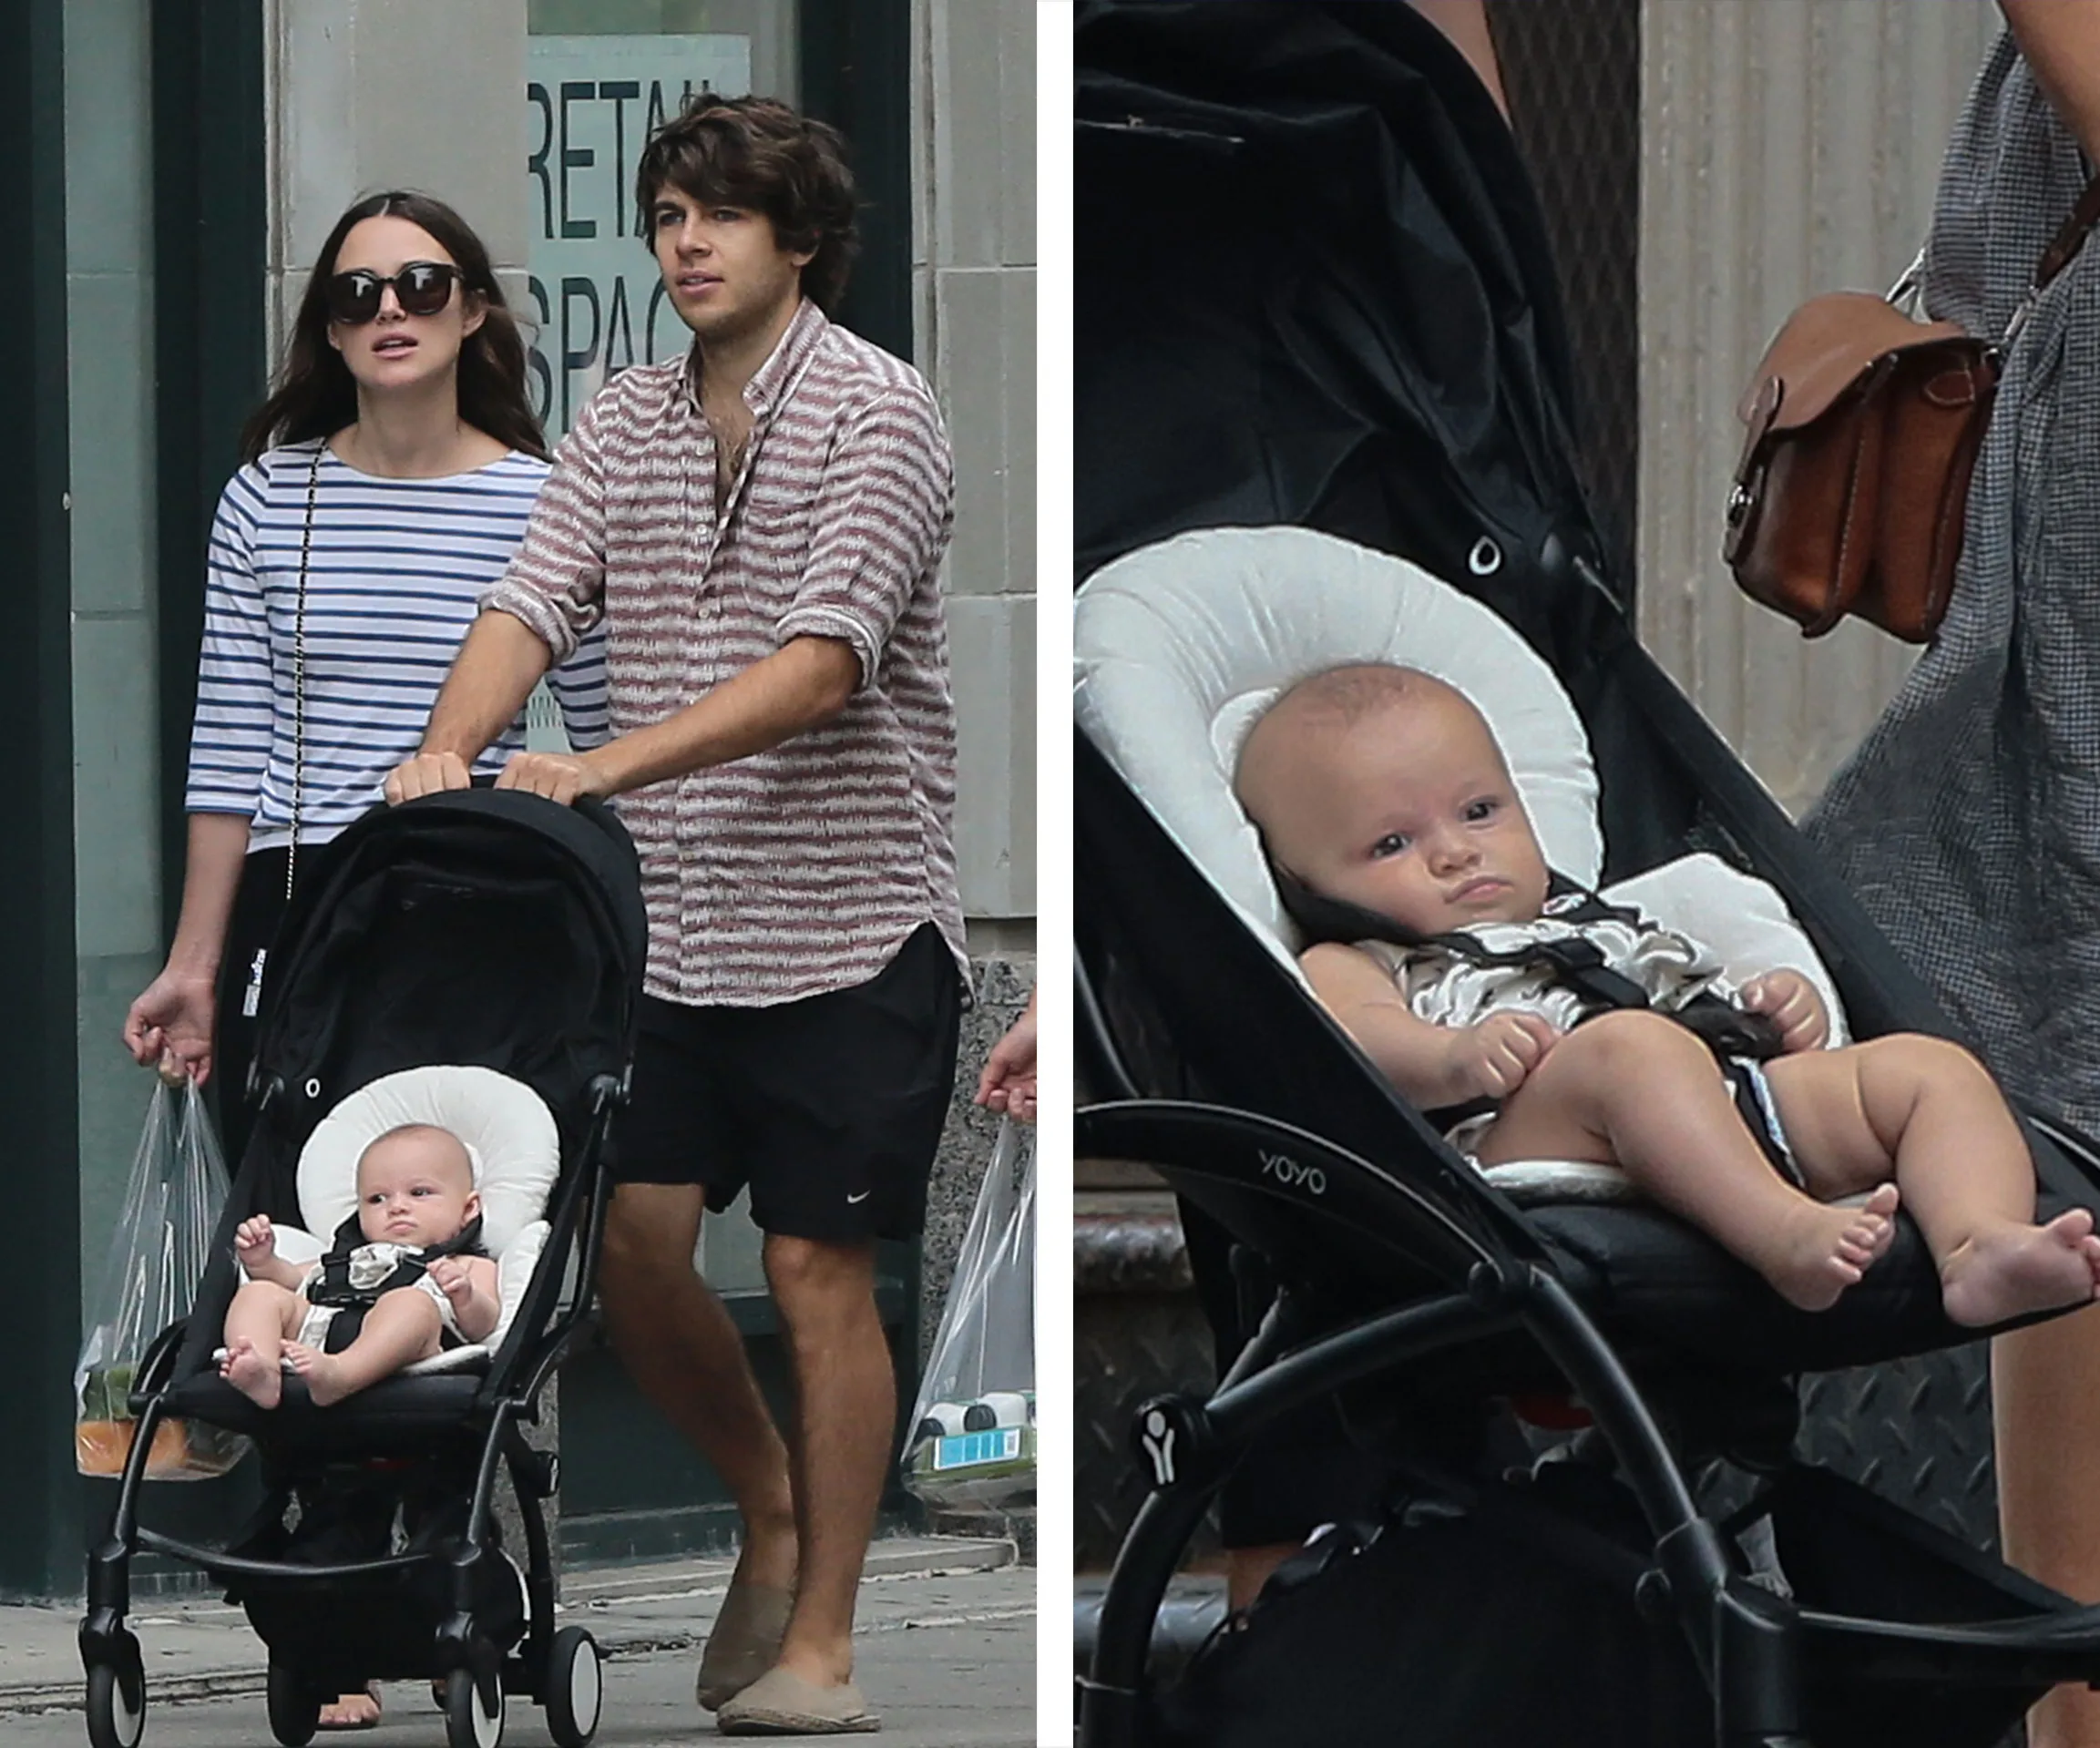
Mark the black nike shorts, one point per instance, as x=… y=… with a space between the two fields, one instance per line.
x=829 y=1109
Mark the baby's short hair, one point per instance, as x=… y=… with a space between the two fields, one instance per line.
x=1354 y=689
x=1339 y=698
x=401 y=1130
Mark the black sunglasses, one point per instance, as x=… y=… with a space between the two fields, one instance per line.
x=421 y=288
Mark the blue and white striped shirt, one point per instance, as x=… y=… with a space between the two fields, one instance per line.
x=395 y=571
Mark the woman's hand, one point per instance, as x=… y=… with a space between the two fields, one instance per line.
x=1789 y=1001
x=170 y=1023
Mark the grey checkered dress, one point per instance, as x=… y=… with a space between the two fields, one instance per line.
x=1968 y=822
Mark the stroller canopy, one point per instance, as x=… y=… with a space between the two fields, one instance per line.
x=1314 y=288
x=485 y=927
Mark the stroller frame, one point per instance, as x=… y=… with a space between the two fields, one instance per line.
x=1393 y=367
x=444 y=1427
x=476 y=1675
x=1491 y=1277
x=507 y=1403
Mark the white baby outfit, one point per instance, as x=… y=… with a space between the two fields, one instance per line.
x=1445 y=989
x=1448 y=989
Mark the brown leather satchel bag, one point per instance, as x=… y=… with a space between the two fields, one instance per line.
x=1863 y=428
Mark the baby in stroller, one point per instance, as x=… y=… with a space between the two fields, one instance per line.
x=1385 y=806
x=405 y=1278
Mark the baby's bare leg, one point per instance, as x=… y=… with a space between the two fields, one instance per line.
x=1926 y=1111
x=400 y=1329
x=1637 y=1090
x=262 y=1316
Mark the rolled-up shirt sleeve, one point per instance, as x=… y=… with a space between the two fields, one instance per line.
x=230 y=735
x=556 y=582
x=880 y=519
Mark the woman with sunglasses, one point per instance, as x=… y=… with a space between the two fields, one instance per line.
x=387 y=481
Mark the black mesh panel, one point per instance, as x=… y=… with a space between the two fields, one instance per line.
x=1571 y=70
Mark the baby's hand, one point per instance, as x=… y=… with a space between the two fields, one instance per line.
x=1790 y=1002
x=254 y=1243
x=453 y=1281
x=1493 y=1059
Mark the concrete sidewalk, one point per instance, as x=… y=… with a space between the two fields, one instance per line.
x=967 y=1666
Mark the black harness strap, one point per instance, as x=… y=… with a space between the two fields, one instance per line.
x=1574 y=964
x=333 y=1286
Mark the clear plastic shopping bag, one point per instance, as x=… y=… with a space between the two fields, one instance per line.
x=971 y=1450
x=157 y=1261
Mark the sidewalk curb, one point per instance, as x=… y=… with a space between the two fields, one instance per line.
x=593 y=1598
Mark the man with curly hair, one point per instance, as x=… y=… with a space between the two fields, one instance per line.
x=760 y=525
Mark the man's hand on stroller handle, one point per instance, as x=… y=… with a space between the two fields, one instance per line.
x=561 y=777
x=1789 y=1001
x=564 y=777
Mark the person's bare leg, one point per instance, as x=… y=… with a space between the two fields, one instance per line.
x=2046 y=1394
x=684 y=1353
x=1638 y=1090
x=1959 y=1157
x=261 y=1318
x=846 y=1391
x=399 y=1329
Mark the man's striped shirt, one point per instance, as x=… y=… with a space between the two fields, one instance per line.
x=395 y=569
x=802 y=869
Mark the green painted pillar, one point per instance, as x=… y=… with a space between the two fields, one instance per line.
x=855 y=58
x=40 y=1548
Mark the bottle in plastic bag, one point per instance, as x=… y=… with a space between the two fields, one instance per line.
x=971 y=1448
x=156 y=1264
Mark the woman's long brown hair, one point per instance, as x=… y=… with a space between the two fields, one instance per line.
x=316 y=395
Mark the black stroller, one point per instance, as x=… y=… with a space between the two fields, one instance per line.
x=1313 y=290
x=482 y=931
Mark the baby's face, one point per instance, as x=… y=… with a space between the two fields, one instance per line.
x=416 y=1189
x=1408 y=810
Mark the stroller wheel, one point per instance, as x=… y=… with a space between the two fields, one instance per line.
x=295 y=1707
x=467 y=1723
x=116 y=1706
x=573 y=1690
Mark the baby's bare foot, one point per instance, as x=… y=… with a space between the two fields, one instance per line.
x=248 y=1372
x=2010 y=1270
x=323 y=1373
x=1824 y=1250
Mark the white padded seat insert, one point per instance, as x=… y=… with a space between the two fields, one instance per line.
x=1179 y=647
